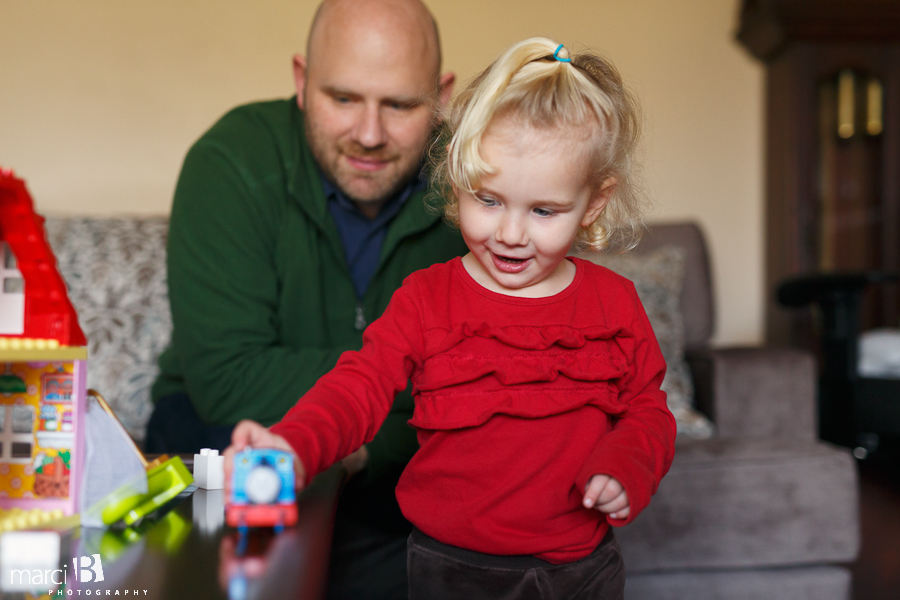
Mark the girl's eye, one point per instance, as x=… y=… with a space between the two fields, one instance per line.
x=543 y=212
x=486 y=200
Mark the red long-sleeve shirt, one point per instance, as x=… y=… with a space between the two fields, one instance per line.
x=519 y=402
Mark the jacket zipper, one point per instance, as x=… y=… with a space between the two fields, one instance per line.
x=360 y=323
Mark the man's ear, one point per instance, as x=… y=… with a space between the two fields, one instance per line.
x=300 y=77
x=445 y=88
x=598 y=201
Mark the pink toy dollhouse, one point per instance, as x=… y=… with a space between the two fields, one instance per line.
x=43 y=359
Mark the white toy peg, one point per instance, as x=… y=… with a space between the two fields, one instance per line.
x=209 y=469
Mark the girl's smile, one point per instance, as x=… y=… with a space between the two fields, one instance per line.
x=521 y=222
x=509 y=264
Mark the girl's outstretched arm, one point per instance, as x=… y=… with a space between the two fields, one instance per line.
x=347 y=405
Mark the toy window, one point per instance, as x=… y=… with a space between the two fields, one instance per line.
x=21 y=450
x=56 y=388
x=12 y=294
x=17 y=434
x=22 y=419
x=13 y=285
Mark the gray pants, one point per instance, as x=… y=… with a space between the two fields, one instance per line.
x=441 y=572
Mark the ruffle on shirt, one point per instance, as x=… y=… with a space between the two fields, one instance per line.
x=522 y=371
x=529 y=337
x=594 y=362
x=460 y=409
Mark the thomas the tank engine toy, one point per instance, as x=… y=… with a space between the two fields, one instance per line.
x=262 y=490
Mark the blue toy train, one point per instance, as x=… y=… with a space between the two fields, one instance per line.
x=262 y=489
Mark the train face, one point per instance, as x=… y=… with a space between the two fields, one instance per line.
x=262 y=489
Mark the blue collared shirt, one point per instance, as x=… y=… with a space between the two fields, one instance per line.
x=362 y=237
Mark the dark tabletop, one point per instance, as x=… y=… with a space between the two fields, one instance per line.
x=186 y=551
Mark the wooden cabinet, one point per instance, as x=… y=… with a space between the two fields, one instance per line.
x=832 y=147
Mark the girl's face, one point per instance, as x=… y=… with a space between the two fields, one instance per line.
x=523 y=219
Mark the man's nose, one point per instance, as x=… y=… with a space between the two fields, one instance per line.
x=370 y=131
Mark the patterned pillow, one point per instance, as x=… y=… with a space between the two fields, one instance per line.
x=116 y=272
x=658 y=277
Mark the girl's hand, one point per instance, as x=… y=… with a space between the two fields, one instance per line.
x=607 y=495
x=356 y=462
x=252 y=434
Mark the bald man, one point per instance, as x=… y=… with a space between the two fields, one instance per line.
x=293 y=223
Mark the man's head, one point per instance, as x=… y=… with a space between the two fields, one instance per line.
x=370 y=87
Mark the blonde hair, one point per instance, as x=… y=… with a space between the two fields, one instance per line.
x=528 y=83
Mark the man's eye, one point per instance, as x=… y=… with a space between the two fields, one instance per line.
x=342 y=99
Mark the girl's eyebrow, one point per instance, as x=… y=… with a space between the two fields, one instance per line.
x=486 y=190
x=559 y=203
x=545 y=202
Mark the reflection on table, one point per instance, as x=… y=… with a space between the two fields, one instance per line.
x=186 y=551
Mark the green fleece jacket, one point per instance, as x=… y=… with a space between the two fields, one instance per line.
x=262 y=299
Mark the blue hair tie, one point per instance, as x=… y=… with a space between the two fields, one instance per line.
x=556 y=55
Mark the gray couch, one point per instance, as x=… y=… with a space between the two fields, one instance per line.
x=759 y=510
x=762 y=509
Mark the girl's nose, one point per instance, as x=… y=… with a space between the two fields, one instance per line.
x=369 y=131
x=511 y=231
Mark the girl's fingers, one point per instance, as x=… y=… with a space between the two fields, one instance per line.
x=253 y=435
x=612 y=490
x=621 y=514
x=244 y=434
x=594 y=489
x=619 y=503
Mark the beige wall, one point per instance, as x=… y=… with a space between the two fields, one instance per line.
x=99 y=100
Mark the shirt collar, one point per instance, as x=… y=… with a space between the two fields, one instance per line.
x=390 y=208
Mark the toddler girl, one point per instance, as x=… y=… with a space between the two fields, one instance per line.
x=536 y=376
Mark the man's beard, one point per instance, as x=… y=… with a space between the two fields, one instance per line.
x=384 y=183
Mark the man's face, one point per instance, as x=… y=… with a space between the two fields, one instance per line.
x=369 y=112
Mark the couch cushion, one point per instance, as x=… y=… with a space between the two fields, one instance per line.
x=658 y=277
x=116 y=273
x=743 y=503
x=697 y=292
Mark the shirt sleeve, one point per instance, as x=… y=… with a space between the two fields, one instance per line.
x=639 y=450
x=348 y=405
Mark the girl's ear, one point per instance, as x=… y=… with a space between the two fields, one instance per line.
x=598 y=201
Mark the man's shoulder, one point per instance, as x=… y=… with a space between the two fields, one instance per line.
x=269 y=118
x=262 y=142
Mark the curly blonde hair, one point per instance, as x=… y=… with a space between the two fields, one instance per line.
x=528 y=83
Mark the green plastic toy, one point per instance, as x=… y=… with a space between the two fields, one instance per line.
x=164 y=482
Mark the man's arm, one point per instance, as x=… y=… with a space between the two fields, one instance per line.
x=224 y=293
